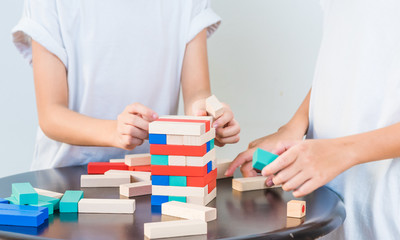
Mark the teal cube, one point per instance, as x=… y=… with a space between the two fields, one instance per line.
x=24 y=193
x=179 y=181
x=54 y=201
x=176 y=198
x=262 y=158
x=159 y=160
x=69 y=202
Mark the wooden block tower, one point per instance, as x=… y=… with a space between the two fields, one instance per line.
x=183 y=163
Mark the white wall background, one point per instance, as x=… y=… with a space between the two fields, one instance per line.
x=261 y=62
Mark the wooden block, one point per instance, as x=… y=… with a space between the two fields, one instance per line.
x=138 y=159
x=202 y=200
x=69 y=202
x=179 y=170
x=135 y=189
x=102 y=167
x=122 y=160
x=48 y=193
x=189 y=211
x=177 y=198
x=157 y=200
x=294 y=222
x=201 y=181
x=250 y=183
x=176 y=160
x=214 y=107
x=166 y=218
x=175 y=139
x=24 y=193
x=212 y=185
x=179 y=181
x=177 y=128
x=206 y=122
x=222 y=166
x=21 y=218
x=199 y=140
x=180 y=191
x=178 y=228
x=207 y=118
x=178 y=150
x=162 y=180
x=262 y=158
x=200 y=161
x=91 y=205
x=135 y=175
x=54 y=201
x=157 y=138
x=159 y=160
x=48 y=205
x=104 y=180
x=145 y=168
x=296 y=209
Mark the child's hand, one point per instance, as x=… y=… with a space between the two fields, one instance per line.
x=133 y=126
x=227 y=129
x=308 y=165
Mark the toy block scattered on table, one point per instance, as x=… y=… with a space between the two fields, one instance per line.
x=135 y=175
x=54 y=201
x=202 y=200
x=175 y=139
x=138 y=159
x=48 y=193
x=189 y=211
x=193 y=161
x=92 y=205
x=2 y=200
x=177 y=160
x=296 y=209
x=69 y=202
x=178 y=228
x=104 y=180
x=122 y=160
x=24 y=193
x=135 y=189
x=22 y=215
x=214 y=107
x=199 y=140
x=250 y=183
x=222 y=166
x=167 y=218
x=179 y=191
x=102 y=167
x=47 y=205
x=262 y=158
x=177 y=128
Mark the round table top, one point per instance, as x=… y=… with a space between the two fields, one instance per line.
x=259 y=214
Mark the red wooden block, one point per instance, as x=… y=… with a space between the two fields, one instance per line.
x=201 y=181
x=131 y=168
x=178 y=150
x=102 y=167
x=144 y=168
x=207 y=122
x=179 y=170
x=212 y=185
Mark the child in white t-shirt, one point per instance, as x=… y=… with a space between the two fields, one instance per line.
x=103 y=70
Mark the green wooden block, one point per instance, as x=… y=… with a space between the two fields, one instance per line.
x=211 y=144
x=54 y=201
x=179 y=181
x=12 y=200
x=175 y=198
x=24 y=193
x=49 y=206
x=69 y=202
x=159 y=160
x=262 y=158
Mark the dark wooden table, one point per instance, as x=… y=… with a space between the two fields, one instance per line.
x=259 y=214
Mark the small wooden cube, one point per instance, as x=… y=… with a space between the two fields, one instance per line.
x=296 y=209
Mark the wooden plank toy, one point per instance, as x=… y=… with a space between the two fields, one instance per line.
x=179 y=170
x=136 y=176
x=189 y=211
x=69 y=202
x=250 y=183
x=202 y=200
x=117 y=160
x=185 y=117
x=22 y=215
x=194 y=119
x=199 y=140
x=177 y=128
x=138 y=159
x=178 y=150
x=296 y=209
x=200 y=161
x=262 y=158
x=214 y=107
x=201 y=181
x=54 y=201
x=180 y=191
x=174 y=139
x=135 y=189
x=104 y=180
x=24 y=193
x=102 y=167
x=48 y=205
x=178 y=228
x=176 y=160
x=48 y=193
x=92 y=205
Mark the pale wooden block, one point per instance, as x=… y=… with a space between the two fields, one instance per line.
x=250 y=183
x=117 y=160
x=199 y=140
x=214 y=106
x=189 y=211
x=138 y=159
x=294 y=222
x=207 y=118
x=104 y=180
x=222 y=166
x=202 y=200
x=92 y=205
x=49 y=193
x=179 y=191
x=177 y=128
x=200 y=161
x=166 y=218
x=296 y=209
x=136 y=176
x=135 y=189
x=178 y=228
x=174 y=139
x=176 y=160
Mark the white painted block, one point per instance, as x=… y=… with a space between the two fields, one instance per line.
x=92 y=205
x=176 y=160
x=175 y=139
x=202 y=200
x=250 y=183
x=189 y=211
x=222 y=166
x=104 y=180
x=136 y=176
x=200 y=161
x=117 y=160
x=207 y=118
x=179 y=191
x=214 y=107
x=135 y=189
x=138 y=159
x=177 y=128
x=199 y=140
x=49 y=193
x=178 y=228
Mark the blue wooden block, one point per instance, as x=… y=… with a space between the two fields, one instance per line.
x=2 y=200
x=25 y=229
x=24 y=208
x=24 y=193
x=157 y=200
x=157 y=138
x=208 y=146
x=69 y=201
x=160 y=180
x=262 y=158
x=209 y=167
x=22 y=215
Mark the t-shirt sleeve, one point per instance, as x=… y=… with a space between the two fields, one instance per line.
x=39 y=22
x=202 y=17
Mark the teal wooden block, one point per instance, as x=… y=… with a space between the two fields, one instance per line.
x=178 y=199
x=54 y=201
x=48 y=205
x=69 y=202
x=262 y=158
x=24 y=193
x=179 y=181
x=211 y=144
x=12 y=200
x=159 y=160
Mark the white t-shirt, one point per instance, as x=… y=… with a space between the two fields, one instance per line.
x=117 y=52
x=357 y=89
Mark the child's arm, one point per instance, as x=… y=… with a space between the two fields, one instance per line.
x=196 y=88
x=62 y=124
